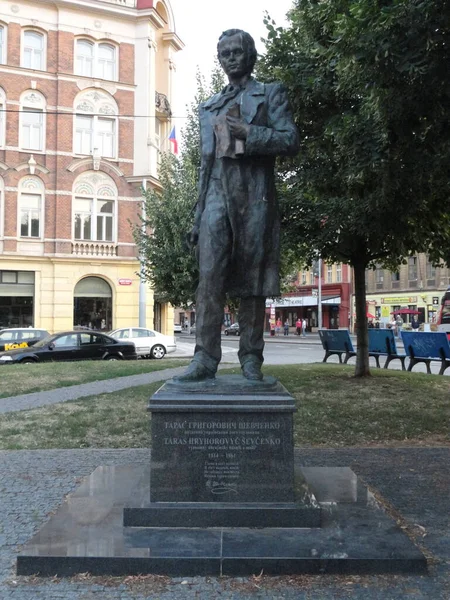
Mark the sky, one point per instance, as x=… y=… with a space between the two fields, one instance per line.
x=199 y=24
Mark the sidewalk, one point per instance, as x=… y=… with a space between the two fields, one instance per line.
x=63 y=394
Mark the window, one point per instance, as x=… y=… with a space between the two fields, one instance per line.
x=311 y=277
x=105 y=137
x=395 y=276
x=84 y=58
x=412 y=268
x=32 y=121
x=66 y=341
x=31 y=200
x=84 y=134
x=95 y=133
x=94 y=219
x=106 y=61
x=30 y=210
x=304 y=278
x=33 y=55
x=95 y=60
x=32 y=129
x=2 y=117
x=329 y=273
x=338 y=273
x=94 y=208
x=95 y=125
x=379 y=275
x=3 y=45
x=431 y=270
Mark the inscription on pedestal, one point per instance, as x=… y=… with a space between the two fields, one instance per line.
x=225 y=457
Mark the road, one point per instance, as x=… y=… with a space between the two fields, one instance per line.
x=290 y=350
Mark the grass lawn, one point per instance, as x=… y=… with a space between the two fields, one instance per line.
x=334 y=409
x=23 y=379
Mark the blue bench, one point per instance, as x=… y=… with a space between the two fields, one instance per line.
x=336 y=341
x=425 y=346
x=382 y=343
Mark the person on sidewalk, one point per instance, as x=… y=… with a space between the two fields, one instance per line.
x=278 y=327
x=304 y=327
x=286 y=327
x=298 y=326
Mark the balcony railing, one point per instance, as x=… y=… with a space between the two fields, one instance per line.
x=128 y=3
x=98 y=249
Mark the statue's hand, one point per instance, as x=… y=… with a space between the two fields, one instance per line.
x=238 y=127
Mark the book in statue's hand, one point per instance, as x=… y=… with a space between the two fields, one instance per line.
x=226 y=144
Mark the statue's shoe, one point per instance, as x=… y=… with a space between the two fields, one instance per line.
x=195 y=372
x=252 y=370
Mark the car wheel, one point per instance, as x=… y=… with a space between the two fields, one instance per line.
x=158 y=351
x=27 y=361
x=113 y=357
x=226 y=332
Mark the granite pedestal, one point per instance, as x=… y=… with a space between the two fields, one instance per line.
x=223 y=456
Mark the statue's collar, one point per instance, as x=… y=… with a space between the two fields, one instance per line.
x=252 y=87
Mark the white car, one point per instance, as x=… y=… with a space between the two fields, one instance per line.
x=149 y=343
x=177 y=328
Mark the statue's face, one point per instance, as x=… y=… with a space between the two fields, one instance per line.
x=233 y=56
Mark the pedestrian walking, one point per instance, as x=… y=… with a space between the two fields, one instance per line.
x=298 y=326
x=286 y=327
x=304 y=327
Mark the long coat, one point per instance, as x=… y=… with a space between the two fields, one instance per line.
x=246 y=185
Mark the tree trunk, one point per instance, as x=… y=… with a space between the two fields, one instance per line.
x=362 y=335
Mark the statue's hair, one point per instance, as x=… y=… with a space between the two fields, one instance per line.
x=247 y=40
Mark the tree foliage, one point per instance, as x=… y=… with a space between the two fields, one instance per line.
x=169 y=264
x=370 y=91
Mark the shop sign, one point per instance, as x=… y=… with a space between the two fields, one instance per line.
x=436 y=300
x=125 y=281
x=400 y=300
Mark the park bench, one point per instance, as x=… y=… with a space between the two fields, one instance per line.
x=382 y=343
x=336 y=341
x=426 y=346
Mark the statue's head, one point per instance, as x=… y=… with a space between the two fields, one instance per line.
x=236 y=51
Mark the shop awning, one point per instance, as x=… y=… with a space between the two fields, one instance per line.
x=288 y=301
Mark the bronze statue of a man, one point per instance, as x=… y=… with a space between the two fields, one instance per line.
x=243 y=129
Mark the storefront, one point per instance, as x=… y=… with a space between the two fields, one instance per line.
x=92 y=304
x=425 y=305
x=335 y=307
x=16 y=299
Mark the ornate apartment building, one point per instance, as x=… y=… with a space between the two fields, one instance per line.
x=417 y=285
x=85 y=92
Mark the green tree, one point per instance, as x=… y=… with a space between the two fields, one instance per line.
x=169 y=264
x=370 y=91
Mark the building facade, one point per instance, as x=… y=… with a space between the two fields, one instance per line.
x=417 y=286
x=335 y=296
x=85 y=92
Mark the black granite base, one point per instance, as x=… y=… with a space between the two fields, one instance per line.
x=222 y=440
x=207 y=514
x=86 y=534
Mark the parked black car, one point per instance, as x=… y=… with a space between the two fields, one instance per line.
x=232 y=330
x=72 y=345
x=20 y=337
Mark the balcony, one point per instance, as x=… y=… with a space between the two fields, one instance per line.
x=94 y=249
